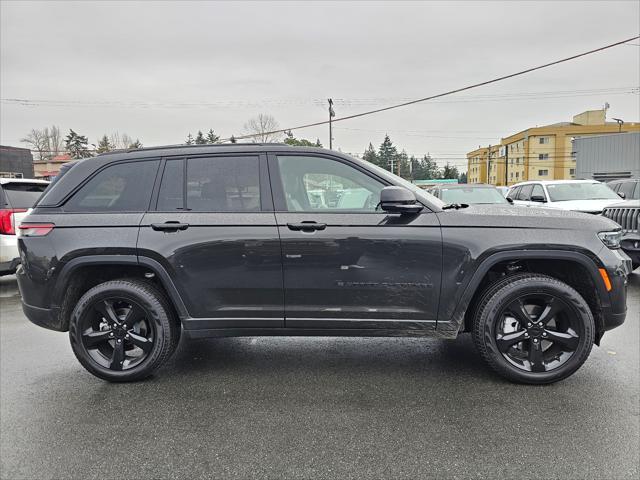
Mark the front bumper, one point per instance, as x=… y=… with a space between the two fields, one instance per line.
x=614 y=308
x=630 y=244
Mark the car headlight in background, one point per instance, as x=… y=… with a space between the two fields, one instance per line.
x=611 y=239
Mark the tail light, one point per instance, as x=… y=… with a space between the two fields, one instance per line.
x=7 y=221
x=35 y=229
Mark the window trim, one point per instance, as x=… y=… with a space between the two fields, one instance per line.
x=97 y=172
x=266 y=200
x=279 y=200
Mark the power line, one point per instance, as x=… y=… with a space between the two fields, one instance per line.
x=450 y=92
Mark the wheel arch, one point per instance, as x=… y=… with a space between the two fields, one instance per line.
x=82 y=273
x=561 y=264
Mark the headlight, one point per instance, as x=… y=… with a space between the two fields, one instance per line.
x=611 y=239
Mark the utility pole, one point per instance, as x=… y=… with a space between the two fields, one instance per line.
x=506 y=165
x=331 y=115
x=489 y=164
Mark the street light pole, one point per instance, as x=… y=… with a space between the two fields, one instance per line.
x=620 y=122
x=331 y=115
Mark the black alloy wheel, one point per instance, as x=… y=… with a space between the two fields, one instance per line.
x=123 y=330
x=533 y=328
x=538 y=332
x=117 y=333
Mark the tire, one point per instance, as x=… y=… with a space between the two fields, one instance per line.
x=109 y=348
x=544 y=342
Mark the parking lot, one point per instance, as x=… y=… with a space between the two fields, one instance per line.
x=314 y=407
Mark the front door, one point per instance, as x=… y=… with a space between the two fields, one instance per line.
x=346 y=263
x=213 y=229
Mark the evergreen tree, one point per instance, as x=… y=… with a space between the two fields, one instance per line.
x=450 y=171
x=387 y=154
x=370 y=155
x=233 y=139
x=462 y=178
x=189 y=140
x=104 y=145
x=403 y=166
x=136 y=144
x=300 y=142
x=212 y=137
x=200 y=140
x=76 y=145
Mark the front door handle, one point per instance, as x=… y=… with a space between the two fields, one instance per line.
x=307 y=226
x=170 y=226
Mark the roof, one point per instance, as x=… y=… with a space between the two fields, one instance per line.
x=14 y=148
x=549 y=182
x=21 y=180
x=466 y=185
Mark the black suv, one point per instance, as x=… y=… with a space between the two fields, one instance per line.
x=129 y=250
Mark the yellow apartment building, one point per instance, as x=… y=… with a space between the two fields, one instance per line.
x=539 y=153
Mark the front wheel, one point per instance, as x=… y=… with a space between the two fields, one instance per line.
x=123 y=330
x=533 y=329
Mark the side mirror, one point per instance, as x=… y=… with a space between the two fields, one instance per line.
x=538 y=198
x=622 y=195
x=399 y=200
x=509 y=199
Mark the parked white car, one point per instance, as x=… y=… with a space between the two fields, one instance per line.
x=588 y=196
x=17 y=195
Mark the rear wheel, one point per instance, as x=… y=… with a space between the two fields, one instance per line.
x=533 y=329
x=123 y=330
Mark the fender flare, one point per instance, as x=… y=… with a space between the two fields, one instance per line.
x=456 y=321
x=163 y=277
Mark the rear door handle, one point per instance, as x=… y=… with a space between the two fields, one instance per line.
x=307 y=226
x=169 y=226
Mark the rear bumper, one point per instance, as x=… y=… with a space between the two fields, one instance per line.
x=9 y=267
x=43 y=317
x=9 y=256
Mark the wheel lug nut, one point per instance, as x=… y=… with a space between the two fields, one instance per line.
x=126 y=336
x=528 y=324
x=544 y=334
x=119 y=341
x=111 y=334
x=539 y=324
x=535 y=340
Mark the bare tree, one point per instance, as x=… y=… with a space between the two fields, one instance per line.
x=260 y=127
x=55 y=142
x=37 y=141
x=47 y=143
x=119 y=141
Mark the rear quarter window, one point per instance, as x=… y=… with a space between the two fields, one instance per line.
x=21 y=195
x=123 y=187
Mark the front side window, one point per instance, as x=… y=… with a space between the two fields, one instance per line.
x=525 y=192
x=123 y=187
x=628 y=188
x=316 y=184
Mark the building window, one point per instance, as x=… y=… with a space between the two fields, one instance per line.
x=517 y=174
x=544 y=140
x=572 y=172
x=543 y=173
x=543 y=156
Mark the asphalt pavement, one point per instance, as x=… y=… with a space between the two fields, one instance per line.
x=314 y=408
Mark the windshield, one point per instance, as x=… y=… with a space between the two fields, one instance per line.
x=562 y=192
x=23 y=195
x=472 y=195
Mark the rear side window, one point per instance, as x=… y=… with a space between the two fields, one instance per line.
x=223 y=184
x=538 y=191
x=21 y=195
x=171 y=194
x=124 y=187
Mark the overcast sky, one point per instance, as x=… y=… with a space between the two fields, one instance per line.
x=147 y=68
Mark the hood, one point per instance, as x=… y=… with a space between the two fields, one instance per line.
x=506 y=216
x=583 y=205
x=626 y=204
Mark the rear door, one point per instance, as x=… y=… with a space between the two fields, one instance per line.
x=212 y=228
x=346 y=264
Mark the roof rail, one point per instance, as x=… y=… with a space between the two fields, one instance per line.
x=176 y=146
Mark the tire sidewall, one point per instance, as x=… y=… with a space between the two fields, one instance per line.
x=156 y=315
x=490 y=317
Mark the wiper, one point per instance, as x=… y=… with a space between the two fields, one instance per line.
x=457 y=206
